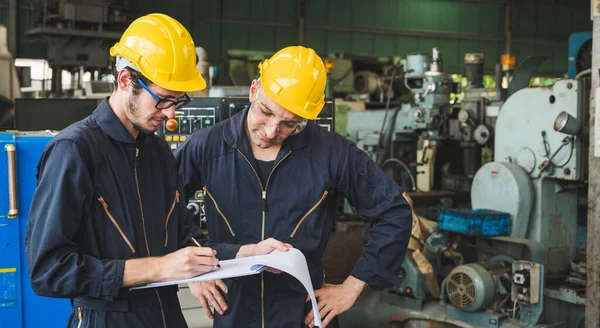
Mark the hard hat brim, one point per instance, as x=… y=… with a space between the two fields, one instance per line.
x=196 y=84
x=291 y=106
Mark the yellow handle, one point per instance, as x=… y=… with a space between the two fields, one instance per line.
x=12 y=180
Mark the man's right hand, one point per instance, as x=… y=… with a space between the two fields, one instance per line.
x=188 y=262
x=208 y=294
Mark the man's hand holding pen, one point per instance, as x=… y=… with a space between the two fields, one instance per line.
x=188 y=262
x=198 y=244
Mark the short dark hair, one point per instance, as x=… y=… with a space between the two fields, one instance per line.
x=135 y=75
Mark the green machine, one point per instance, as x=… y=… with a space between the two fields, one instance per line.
x=531 y=276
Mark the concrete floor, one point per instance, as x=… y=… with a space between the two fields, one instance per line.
x=192 y=309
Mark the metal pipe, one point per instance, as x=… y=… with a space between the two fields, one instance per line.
x=498 y=75
x=300 y=12
x=579 y=6
x=583 y=73
x=507 y=27
x=248 y=22
x=56 y=80
x=390 y=31
x=12 y=28
x=11 y=151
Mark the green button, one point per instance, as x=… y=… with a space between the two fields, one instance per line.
x=206 y=121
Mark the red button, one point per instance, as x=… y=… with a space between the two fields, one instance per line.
x=172 y=125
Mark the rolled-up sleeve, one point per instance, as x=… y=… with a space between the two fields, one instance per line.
x=376 y=197
x=61 y=202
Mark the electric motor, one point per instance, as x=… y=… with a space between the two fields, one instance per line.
x=473 y=287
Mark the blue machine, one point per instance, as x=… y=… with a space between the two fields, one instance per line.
x=19 y=306
x=474 y=222
x=580 y=53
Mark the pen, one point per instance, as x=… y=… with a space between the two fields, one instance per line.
x=198 y=244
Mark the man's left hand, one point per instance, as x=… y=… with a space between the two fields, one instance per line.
x=335 y=299
x=208 y=294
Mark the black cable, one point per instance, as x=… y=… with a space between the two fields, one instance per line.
x=546 y=144
x=406 y=168
x=417 y=239
x=388 y=138
x=568 y=159
x=387 y=107
x=548 y=164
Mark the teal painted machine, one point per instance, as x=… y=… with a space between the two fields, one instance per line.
x=19 y=306
x=531 y=277
x=430 y=143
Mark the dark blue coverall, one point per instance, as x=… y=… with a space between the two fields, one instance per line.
x=103 y=198
x=297 y=205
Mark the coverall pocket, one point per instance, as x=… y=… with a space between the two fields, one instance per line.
x=206 y=192
x=175 y=201
x=105 y=206
x=308 y=213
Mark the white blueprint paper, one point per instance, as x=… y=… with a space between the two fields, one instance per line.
x=292 y=262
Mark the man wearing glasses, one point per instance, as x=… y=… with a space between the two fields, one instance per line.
x=269 y=171
x=108 y=212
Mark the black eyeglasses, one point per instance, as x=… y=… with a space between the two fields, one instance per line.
x=162 y=103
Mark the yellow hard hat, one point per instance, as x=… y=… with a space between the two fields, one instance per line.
x=163 y=51
x=295 y=78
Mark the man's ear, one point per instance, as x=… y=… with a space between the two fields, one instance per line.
x=124 y=79
x=253 y=90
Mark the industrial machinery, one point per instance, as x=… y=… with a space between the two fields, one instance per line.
x=411 y=127
x=476 y=118
x=368 y=79
x=469 y=269
x=422 y=138
x=78 y=34
x=51 y=113
x=19 y=306
x=203 y=112
x=9 y=82
x=95 y=89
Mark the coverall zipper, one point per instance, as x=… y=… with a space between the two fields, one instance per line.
x=137 y=185
x=79 y=316
x=264 y=210
x=105 y=206
x=175 y=201
x=206 y=192
x=308 y=213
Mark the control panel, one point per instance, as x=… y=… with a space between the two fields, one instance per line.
x=326 y=118
x=195 y=206
x=204 y=112
x=526 y=282
x=232 y=106
x=195 y=116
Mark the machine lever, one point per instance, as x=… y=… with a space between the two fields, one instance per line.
x=11 y=151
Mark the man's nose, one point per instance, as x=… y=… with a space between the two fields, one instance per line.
x=271 y=130
x=169 y=112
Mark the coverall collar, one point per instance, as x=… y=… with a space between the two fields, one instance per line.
x=109 y=122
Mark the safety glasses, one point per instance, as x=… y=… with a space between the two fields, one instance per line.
x=162 y=103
